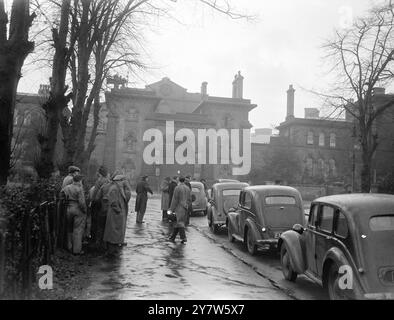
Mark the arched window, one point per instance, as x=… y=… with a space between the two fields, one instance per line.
x=27 y=120
x=309 y=166
x=309 y=139
x=333 y=169
x=333 y=141
x=321 y=139
x=320 y=166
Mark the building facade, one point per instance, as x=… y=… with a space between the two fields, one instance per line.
x=131 y=112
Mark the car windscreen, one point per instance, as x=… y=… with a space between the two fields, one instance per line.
x=280 y=200
x=230 y=199
x=196 y=190
x=382 y=223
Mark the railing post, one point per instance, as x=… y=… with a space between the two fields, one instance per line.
x=3 y=228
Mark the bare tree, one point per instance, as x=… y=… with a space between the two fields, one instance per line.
x=58 y=95
x=14 y=48
x=92 y=39
x=362 y=59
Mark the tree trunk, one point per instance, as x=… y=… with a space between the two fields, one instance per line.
x=57 y=101
x=14 y=48
x=9 y=78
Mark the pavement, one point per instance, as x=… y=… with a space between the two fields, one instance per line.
x=207 y=267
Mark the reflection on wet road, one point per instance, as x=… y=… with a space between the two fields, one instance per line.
x=149 y=267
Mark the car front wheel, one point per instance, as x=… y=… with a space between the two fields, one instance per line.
x=335 y=292
x=287 y=269
x=252 y=248
x=230 y=232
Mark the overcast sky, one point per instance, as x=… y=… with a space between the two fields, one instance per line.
x=281 y=47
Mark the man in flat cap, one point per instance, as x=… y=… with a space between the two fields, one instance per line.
x=142 y=190
x=72 y=171
x=74 y=198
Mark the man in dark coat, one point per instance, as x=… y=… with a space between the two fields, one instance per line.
x=142 y=190
x=171 y=188
x=115 y=227
x=97 y=221
x=179 y=205
x=189 y=203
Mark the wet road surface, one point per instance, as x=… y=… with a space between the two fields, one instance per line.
x=150 y=267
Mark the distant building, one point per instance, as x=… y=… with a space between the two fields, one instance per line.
x=261 y=135
x=132 y=111
x=328 y=148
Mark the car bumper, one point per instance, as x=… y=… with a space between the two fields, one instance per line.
x=264 y=242
x=379 y=296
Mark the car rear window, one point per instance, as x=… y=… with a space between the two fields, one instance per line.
x=279 y=200
x=196 y=190
x=231 y=193
x=382 y=223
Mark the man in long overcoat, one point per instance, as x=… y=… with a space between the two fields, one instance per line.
x=142 y=190
x=179 y=205
x=165 y=197
x=115 y=227
x=171 y=188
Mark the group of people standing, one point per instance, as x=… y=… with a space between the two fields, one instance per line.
x=102 y=216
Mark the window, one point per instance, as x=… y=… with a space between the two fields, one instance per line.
x=333 y=169
x=313 y=215
x=342 y=229
x=320 y=164
x=309 y=139
x=333 y=141
x=231 y=193
x=326 y=218
x=27 y=120
x=280 y=200
x=248 y=201
x=382 y=223
x=309 y=166
x=321 y=139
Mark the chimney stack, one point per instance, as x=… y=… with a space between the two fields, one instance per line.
x=290 y=103
x=378 y=91
x=204 y=88
x=238 y=84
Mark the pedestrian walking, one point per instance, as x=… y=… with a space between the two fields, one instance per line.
x=115 y=227
x=165 y=197
x=142 y=190
x=72 y=171
x=74 y=198
x=204 y=182
x=171 y=188
x=179 y=205
x=190 y=201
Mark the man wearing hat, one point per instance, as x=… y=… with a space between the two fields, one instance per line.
x=75 y=214
x=142 y=190
x=115 y=227
x=72 y=171
x=98 y=211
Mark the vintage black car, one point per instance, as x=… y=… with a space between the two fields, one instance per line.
x=347 y=246
x=263 y=213
x=223 y=197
